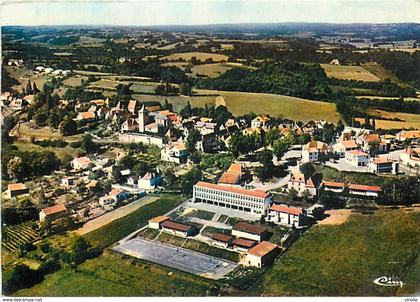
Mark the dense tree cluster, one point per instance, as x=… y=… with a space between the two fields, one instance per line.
x=294 y=79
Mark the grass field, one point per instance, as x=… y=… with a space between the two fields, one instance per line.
x=112 y=275
x=213 y=70
x=202 y=56
x=240 y=103
x=60 y=152
x=331 y=174
x=349 y=73
x=122 y=227
x=28 y=130
x=381 y=72
x=343 y=260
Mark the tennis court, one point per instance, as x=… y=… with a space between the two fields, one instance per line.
x=175 y=257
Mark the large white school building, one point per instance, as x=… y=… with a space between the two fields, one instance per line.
x=253 y=201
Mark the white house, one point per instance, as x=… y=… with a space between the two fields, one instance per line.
x=357 y=158
x=300 y=184
x=116 y=195
x=261 y=121
x=382 y=165
x=222 y=240
x=174 y=152
x=149 y=181
x=312 y=150
x=81 y=163
x=410 y=157
x=283 y=214
x=343 y=146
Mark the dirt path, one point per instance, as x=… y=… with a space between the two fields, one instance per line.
x=336 y=217
x=114 y=215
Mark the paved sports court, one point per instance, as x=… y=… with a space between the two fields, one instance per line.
x=179 y=258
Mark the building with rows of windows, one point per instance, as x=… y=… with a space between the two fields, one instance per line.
x=253 y=201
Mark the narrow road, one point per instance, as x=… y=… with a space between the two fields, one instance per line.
x=99 y=222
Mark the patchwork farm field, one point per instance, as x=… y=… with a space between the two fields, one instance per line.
x=202 y=56
x=349 y=73
x=343 y=260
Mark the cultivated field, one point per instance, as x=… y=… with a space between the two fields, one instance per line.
x=202 y=56
x=407 y=120
x=349 y=73
x=343 y=260
x=15 y=235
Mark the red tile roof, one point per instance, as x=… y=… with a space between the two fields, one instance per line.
x=249 y=228
x=253 y=193
x=54 y=209
x=244 y=242
x=87 y=115
x=349 y=144
x=16 y=187
x=365 y=188
x=221 y=237
x=176 y=226
x=230 y=178
x=381 y=160
x=235 y=168
x=262 y=249
x=358 y=153
x=116 y=191
x=285 y=209
x=334 y=184
x=159 y=219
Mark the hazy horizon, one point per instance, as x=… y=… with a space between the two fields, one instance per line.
x=209 y=12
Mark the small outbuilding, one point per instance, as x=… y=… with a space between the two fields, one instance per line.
x=262 y=254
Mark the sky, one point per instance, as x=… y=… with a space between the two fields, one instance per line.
x=193 y=12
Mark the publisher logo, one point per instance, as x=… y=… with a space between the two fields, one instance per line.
x=388 y=281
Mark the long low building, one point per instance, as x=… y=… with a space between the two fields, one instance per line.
x=254 y=201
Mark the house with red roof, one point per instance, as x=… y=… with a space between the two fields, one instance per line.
x=284 y=214
x=232 y=176
x=53 y=213
x=345 y=145
x=16 y=190
x=364 y=190
x=301 y=184
x=382 y=165
x=333 y=186
x=178 y=229
x=113 y=198
x=357 y=158
x=262 y=254
x=231 y=197
x=222 y=240
x=249 y=231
